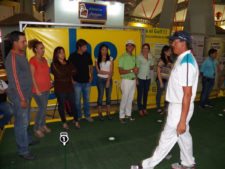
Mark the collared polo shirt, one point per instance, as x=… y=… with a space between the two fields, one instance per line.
x=184 y=73
x=127 y=62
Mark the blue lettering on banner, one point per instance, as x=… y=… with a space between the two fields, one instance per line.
x=92 y=11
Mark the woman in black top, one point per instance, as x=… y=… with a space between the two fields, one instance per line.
x=163 y=73
x=63 y=85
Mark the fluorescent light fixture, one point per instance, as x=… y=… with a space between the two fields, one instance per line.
x=115 y=9
x=69 y=6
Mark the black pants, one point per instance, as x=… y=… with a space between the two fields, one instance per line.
x=142 y=93
x=70 y=98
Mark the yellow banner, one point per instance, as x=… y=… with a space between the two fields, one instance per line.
x=157 y=32
x=115 y=39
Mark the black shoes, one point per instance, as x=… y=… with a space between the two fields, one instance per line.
x=28 y=156
x=123 y=121
x=126 y=119
x=101 y=118
x=110 y=117
x=34 y=142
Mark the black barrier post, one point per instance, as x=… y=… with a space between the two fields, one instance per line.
x=64 y=138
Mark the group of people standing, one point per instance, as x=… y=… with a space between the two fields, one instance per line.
x=32 y=79
x=72 y=80
x=136 y=72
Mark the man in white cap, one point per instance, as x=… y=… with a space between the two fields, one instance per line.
x=128 y=71
x=181 y=92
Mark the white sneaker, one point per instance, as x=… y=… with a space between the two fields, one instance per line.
x=139 y=167
x=223 y=110
x=179 y=166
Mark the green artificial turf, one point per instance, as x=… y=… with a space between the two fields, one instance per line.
x=89 y=147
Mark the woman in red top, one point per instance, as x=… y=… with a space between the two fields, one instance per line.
x=41 y=85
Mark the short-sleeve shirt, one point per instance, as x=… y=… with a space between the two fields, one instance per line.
x=184 y=73
x=144 y=66
x=41 y=74
x=127 y=62
x=105 y=66
x=209 y=67
x=165 y=70
x=81 y=63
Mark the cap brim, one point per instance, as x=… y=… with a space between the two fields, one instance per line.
x=172 y=38
x=130 y=44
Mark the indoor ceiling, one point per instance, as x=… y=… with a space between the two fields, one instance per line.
x=144 y=9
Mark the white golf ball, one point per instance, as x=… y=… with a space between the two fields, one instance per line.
x=159 y=121
x=111 y=138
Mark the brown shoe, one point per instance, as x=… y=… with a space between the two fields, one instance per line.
x=145 y=112
x=65 y=126
x=45 y=129
x=77 y=125
x=39 y=134
x=141 y=113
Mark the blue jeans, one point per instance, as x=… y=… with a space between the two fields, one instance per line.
x=62 y=98
x=142 y=93
x=42 y=102
x=160 y=92
x=101 y=85
x=84 y=89
x=207 y=86
x=22 y=120
x=6 y=111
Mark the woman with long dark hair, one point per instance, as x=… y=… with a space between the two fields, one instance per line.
x=145 y=64
x=104 y=67
x=63 y=85
x=163 y=73
x=41 y=85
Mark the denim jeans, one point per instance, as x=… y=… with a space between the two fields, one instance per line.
x=101 y=85
x=62 y=98
x=6 y=111
x=142 y=93
x=207 y=86
x=42 y=102
x=160 y=92
x=22 y=120
x=84 y=90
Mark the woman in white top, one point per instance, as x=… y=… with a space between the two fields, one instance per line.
x=104 y=67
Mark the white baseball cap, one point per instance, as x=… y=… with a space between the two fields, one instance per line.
x=130 y=42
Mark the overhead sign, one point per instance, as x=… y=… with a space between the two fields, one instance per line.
x=157 y=33
x=92 y=11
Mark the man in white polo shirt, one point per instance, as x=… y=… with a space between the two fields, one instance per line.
x=181 y=92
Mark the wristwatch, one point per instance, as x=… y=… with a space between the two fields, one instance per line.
x=131 y=71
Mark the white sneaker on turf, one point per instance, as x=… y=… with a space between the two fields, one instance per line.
x=179 y=166
x=139 y=167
